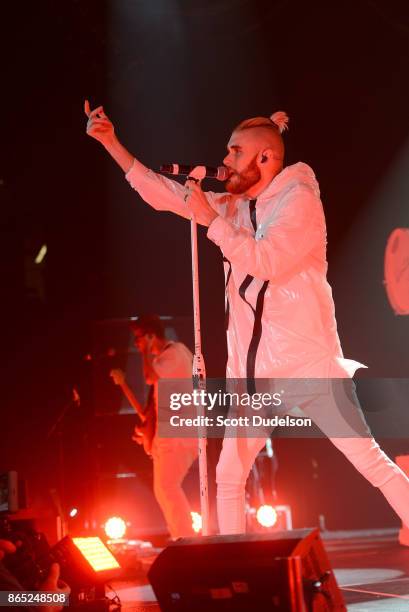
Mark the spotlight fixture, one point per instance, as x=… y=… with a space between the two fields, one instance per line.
x=41 y=254
x=115 y=528
x=267 y=516
x=97 y=555
x=196 y=522
x=86 y=565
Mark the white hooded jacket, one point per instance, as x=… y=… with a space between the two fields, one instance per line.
x=279 y=306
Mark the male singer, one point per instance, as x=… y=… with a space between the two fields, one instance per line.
x=270 y=227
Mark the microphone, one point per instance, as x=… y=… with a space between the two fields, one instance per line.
x=221 y=173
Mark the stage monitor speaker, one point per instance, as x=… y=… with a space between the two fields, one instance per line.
x=285 y=571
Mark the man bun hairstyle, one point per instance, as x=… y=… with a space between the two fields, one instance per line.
x=278 y=121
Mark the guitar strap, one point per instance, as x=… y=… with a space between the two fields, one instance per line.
x=150 y=402
x=166 y=346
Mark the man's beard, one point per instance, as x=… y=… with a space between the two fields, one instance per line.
x=240 y=182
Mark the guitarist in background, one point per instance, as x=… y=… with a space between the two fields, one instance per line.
x=172 y=457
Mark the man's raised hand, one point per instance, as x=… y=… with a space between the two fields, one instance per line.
x=98 y=125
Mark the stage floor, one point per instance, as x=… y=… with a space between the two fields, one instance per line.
x=371 y=567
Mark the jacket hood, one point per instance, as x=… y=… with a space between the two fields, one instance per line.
x=290 y=176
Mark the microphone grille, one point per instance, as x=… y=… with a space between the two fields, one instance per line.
x=222 y=173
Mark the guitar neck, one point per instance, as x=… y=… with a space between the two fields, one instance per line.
x=133 y=401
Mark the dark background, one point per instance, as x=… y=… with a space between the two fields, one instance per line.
x=175 y=77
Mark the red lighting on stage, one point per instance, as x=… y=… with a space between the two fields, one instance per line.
x=267 y=516
x=73 y=512
x=115 y=528
x=96 y=553
x=196 y=521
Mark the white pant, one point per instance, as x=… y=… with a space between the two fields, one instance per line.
x=172 y=459
x=238 y=454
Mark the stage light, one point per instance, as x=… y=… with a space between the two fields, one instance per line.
x=196 y=522
x=96 y=553
x=41 y=254
x=267 y=516
x=115 y=528
x=86 y=564
x=73 y=512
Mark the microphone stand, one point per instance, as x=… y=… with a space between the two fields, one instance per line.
x=199 y=381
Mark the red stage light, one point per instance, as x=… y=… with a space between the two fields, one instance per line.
x=115 y=527
x=196 y=521
x=73 y=512
x=267 y=516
